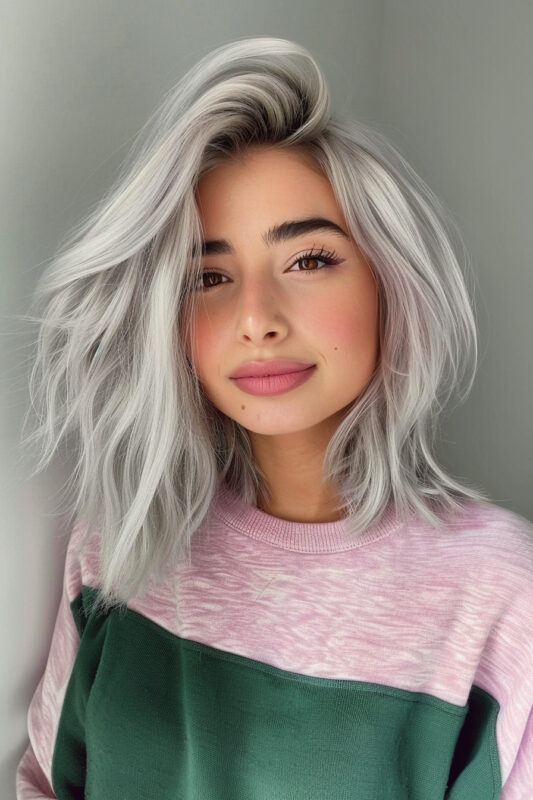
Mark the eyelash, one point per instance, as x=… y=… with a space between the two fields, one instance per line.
x=329 y=257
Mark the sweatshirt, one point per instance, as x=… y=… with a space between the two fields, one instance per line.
x=292 y=661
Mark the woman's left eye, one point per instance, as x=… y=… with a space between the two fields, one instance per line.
x=328 y=257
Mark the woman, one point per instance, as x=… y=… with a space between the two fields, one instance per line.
x=272 y=589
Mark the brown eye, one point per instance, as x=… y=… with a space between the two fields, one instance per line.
x=211 y=285
x=327 y=257
x=315 y=260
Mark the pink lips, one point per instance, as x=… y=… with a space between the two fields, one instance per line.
x=274 y=384
x=274 y=366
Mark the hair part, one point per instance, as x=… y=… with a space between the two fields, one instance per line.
x=110 y=365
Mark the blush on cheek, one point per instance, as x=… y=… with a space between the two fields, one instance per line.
x=344 y=332
x=348 y=329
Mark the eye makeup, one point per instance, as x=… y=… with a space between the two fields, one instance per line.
x=327 y=257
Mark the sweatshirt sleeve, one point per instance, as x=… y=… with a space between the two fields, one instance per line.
x=518 y=782
x=495 y=748
x=33 y=776
x=508 y=671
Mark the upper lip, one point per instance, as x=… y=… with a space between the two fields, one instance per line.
x=276 y=366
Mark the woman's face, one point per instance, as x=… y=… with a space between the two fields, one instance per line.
x=265 y=304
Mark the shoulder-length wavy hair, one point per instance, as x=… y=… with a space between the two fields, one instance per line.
x=110 y=364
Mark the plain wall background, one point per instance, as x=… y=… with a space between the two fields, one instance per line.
x=448 y=80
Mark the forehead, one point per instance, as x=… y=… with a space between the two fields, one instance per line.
x=258 y=159
x=266 y=182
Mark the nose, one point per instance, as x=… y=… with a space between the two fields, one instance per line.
x=260 y=312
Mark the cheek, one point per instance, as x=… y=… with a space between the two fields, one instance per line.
x=204 y=355
x=346 y=323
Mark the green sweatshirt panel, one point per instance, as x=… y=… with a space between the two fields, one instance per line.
x=148 y=714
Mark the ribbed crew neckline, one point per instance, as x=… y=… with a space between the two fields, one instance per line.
x=305 y=537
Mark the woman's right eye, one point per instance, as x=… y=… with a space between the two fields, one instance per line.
x=203 y=288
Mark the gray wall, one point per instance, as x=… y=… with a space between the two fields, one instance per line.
x=448 y=80
x=455 y=88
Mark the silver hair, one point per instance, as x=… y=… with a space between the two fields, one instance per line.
x=110 y=363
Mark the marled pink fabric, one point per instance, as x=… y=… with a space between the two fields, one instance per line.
x=404 y=605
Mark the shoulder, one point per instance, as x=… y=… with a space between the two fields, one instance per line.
x=496 y=545
x=482 y=546
x=501 y=529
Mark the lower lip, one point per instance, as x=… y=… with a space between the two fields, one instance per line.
x=274 y=384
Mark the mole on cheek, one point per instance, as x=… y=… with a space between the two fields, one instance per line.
x=242 y=408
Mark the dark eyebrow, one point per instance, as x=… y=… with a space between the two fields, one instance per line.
x=278 y=233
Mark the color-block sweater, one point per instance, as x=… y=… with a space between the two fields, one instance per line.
x=292 y=661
